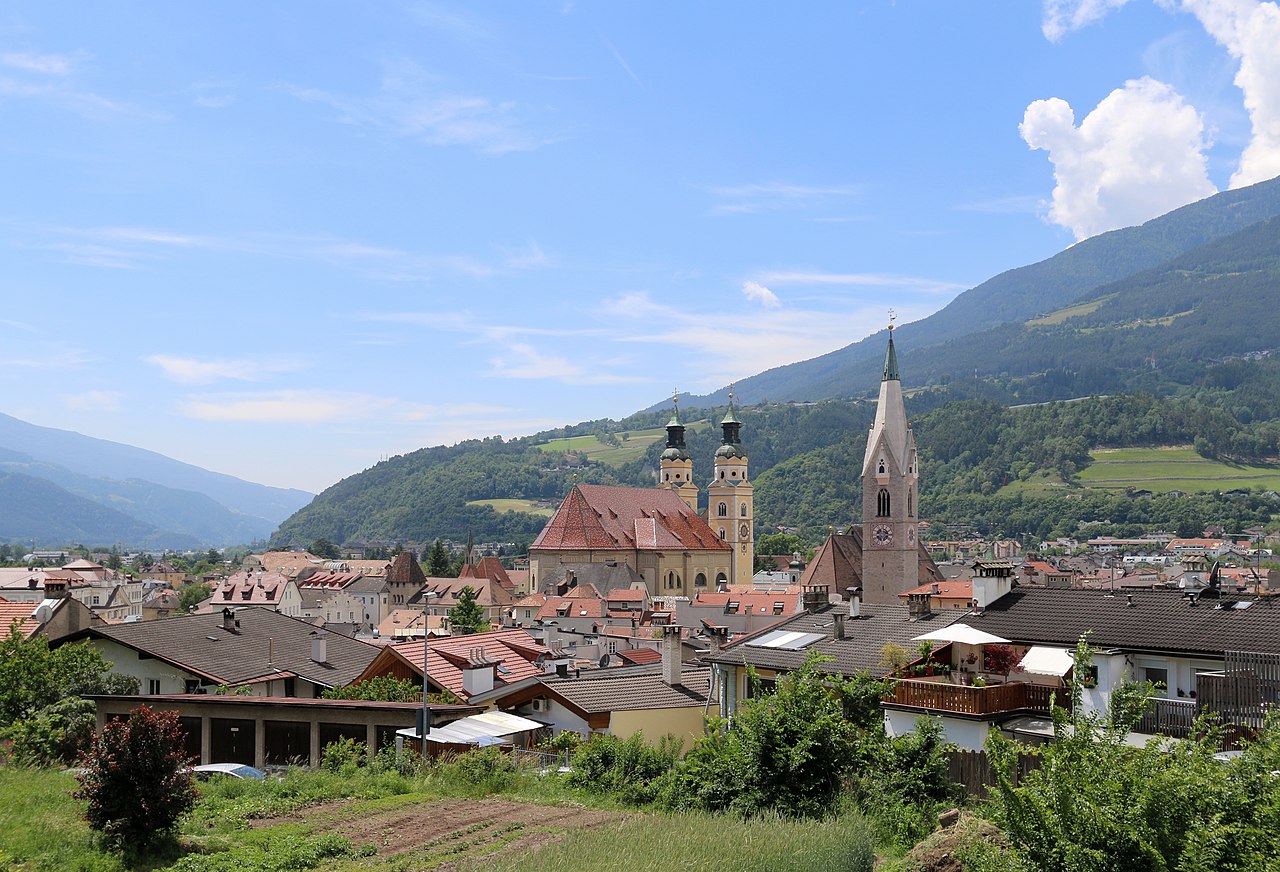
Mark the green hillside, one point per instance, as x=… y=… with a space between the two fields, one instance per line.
x=1161 y=470
x=1020 y=294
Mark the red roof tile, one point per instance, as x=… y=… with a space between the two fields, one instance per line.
x=21 y=613
x=514 y=650
x=641 y=655
x=603 y=517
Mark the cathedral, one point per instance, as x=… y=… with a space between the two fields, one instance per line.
x=659 y=534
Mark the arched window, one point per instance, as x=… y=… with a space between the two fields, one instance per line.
x=882 y=504
x=911 y=512
x=722 y=510
x=722 y=473
x=666 y=476
x=722 y=532
x=882 y=466
x=700 y=580
x=721 y=578
x=742 y=510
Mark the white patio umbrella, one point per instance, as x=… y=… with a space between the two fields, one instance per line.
x=961 y=633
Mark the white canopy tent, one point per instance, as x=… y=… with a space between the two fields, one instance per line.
x=1043 y=660
x=961 y=633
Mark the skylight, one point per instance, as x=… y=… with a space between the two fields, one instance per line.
x=786 y=640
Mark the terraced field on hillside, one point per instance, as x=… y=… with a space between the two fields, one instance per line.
x=1161 y=470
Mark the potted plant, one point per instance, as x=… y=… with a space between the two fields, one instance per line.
x=979 y=681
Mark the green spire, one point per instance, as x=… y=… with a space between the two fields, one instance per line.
x=890 y=361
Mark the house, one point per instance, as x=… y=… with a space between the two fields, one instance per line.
x=466 y=666
x=944 y=595
x=256 y=647
x=286 y=563
x=256 y=587
x=55 y=617
x=1205 y=650
x=402 y=624
x=657 y=699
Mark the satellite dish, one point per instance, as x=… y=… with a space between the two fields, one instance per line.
x=43 y=614
x=604 y=661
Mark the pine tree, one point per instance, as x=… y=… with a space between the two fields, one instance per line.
x=467 y=616
x=437 y=560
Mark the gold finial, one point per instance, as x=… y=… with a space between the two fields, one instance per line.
x=892 y=317
x=731 y=393
x=675 y=398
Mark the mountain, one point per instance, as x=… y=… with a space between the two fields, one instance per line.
x=112 y=460
x=1196 y=293
x=36 y=509
x=1017 y=295
x=168 y=503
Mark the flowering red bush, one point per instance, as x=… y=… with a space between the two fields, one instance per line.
x=999 y=658
x=135 y=779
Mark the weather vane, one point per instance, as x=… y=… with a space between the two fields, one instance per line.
x=675 y=398
x=892 y=317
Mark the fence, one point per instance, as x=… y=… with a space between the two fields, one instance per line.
x=973 y=769
x=542 y=759
x=1168 y=717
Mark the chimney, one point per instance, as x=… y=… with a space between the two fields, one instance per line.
x=551 y=638
x=814 y=597
x=919 y=605
x=855 y=602
x=54 y=588
x=478 y=674
x=320 y=647
x=837 y=628
x=228 y=620
x=671 y=655
x=718 y=636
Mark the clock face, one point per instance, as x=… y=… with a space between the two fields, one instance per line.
x=744 y=531
x=882 y=535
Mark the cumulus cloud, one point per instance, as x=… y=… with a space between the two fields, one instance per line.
x=1063 y=16
x=1250 y=32
x=758 y=293
x=1138 y=154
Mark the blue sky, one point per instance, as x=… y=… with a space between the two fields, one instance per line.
x=284 y=240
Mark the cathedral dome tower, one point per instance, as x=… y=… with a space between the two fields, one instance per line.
x=675 y=467
x=730 y=498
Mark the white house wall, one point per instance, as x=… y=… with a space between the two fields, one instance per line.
x=965 y=734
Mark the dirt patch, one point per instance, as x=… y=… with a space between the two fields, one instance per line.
x=937 y=852
x=448 y=832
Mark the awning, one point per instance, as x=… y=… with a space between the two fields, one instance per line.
x=962 y=633
x=1043 y=660
x=488 y=728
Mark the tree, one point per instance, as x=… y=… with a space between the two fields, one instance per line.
x=325 y=550
x=437 y=560
x=467 y=616
x=193 y=594
x=135 y=779
x=999 y=658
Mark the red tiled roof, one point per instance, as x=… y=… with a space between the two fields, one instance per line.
x=945 y=589
x=250 y=588
x=627 y=595
x=405 y=570
x=513 y=650
x=641 y=655
x=22 y=614
x=572 y=608
x=604 y=517
x=329 y=580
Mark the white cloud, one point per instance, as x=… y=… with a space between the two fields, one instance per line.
x=876 y=280
x=1063 y=16
x=521 y=360
x=94 y=401
x=280 y=407
x=758 y=293
x=188 y=370
x=775 y=196
x=41 y=64
x=410 y=103
x=1250 y=32
x=1138 y=154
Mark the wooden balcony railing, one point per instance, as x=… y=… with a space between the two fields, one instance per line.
x=967 y=700
x=1168 y=717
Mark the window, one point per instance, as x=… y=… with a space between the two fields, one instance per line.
x=721 y=578
x=722 y=510
x=1157 y=676
x=191 y=685
x=881 y=466
x=722 y=473
x=666 y=476
x=742 y=510
x=910 y=505
x=882 y=504
x=153 y=686
x=700 y=580
x=722 y=533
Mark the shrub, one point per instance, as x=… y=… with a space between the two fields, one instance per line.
x=135 y=780
x=628 y=767
x=487 y=768
x=344 y=756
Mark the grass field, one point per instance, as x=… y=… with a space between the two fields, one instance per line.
x=1070 y=312
x=530 y=507
x=387 y=822
x=1164 y=469
x=632 y=444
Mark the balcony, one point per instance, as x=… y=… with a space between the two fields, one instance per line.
x=994 y=699
x=1168 y=717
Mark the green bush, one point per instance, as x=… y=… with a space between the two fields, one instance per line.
x=631 y=768
x=344 y=756
x=276 y=855
x=490 y=769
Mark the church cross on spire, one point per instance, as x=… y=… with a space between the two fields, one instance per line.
x=890 y=356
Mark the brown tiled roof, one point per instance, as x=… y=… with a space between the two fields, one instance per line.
x=405 y=570
x=250 y=588
x=491 y=568
x=199 y=644
x=641 y=655
x=1159 y=621
x=858 y=651
x=631 y=689
x=957 y=589
x=604 y=517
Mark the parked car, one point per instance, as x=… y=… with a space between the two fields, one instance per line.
x=226 y=770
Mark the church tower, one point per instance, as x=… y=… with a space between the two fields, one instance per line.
x=675 y=469
x=730 y=501
x=890 y=479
